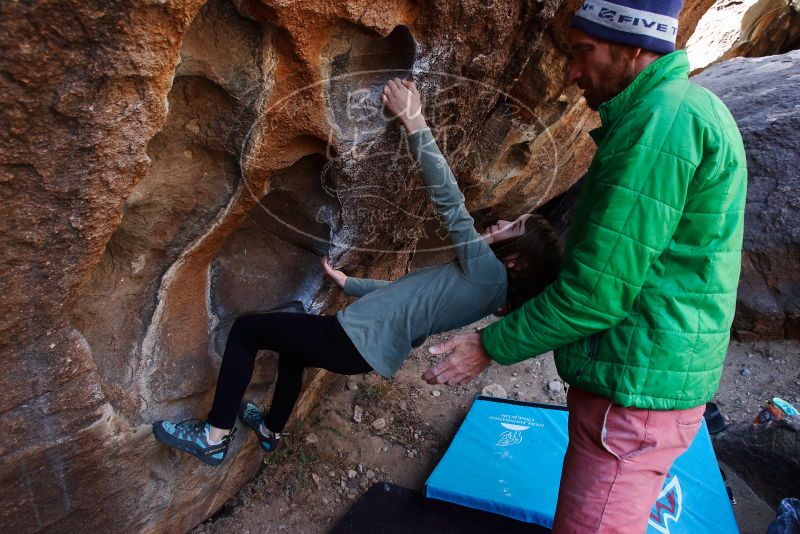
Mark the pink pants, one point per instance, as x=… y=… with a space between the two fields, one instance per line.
x=616 y=463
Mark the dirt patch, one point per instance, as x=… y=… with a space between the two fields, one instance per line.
x=402 y=427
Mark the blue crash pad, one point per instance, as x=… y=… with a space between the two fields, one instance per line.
x=506 y=458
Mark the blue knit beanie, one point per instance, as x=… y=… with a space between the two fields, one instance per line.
x=648 y=24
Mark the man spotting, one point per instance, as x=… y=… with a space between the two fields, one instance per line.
x=640 y=314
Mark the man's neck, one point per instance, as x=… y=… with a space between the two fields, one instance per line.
x=644 y=59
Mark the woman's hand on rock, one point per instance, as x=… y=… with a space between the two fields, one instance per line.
x=401 y=98
x=338 y=277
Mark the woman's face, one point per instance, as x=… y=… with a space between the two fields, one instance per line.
x=502 y=230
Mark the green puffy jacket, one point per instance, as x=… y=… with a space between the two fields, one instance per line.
x=642 y=309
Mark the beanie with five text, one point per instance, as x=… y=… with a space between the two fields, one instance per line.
x=648 y=24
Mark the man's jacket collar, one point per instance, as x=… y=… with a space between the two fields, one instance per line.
x=671 y=66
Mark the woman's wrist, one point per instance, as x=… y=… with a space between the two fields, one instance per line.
x=415 y=124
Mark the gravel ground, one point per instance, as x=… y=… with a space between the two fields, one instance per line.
x=369 y=428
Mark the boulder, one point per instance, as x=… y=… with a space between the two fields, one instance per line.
x=747 y=28
x=766 y=456
x=763 y=95
x=168 y=166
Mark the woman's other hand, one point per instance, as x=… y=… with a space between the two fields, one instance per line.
x=338 y=277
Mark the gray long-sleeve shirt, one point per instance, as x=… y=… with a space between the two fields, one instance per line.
x=392 y=317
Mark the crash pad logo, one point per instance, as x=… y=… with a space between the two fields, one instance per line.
x=669 y=505
x=514 y=426
x=512 y=436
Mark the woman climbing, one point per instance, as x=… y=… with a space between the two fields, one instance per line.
x=494 y=272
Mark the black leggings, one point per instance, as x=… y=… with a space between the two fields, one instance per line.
x=301 y=340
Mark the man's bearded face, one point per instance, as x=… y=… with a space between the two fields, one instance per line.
x=601 y=69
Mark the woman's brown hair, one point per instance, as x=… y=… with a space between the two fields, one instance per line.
x=539 y=252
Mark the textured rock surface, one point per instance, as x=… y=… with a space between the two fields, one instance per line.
x=747 y=28
x=167 y=166
x=764 y=96
x=766 y=456
x=717 y=32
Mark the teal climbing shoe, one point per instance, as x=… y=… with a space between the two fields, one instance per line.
x=192 y=437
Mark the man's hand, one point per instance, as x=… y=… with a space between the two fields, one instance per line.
x=402 y=100
x=467 y=359
x=338 y=277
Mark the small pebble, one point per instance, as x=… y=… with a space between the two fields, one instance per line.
x=745 y=372
x=312 y=438
x=379 y=423
x=370 y=474
x=436 y=392
x=358 y=413
x=555 y=386
x=494 y=390
x=351 y=473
